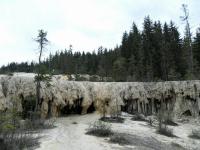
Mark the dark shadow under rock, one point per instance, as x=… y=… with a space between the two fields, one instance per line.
x=195 y=134
x=120 y=139
x=74 y=122
x=170 y=123
x=145 y=142
x=113 y=119
x=164 y=130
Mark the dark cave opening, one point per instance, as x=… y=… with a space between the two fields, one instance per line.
x=191 y=99
x=187 y=113
x=28 y=105
x=124 y=107
x=91 y=109
x=76 y=108
x=130 y=106
x=157 y=105
x=49 y=108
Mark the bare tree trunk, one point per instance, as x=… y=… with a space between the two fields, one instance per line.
x=38 y=84
x=189 y=38
x=190 y=50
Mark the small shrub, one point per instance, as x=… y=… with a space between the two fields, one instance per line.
x=164 y=130
x=12 y=136
x=18 y=140
x=80 y=78
x=120 y=139
x=36 y=122
x=100 y=129
x=151 y=121
x=162 y=120
x=138 y=117
x=195 y=134
x=112 y=119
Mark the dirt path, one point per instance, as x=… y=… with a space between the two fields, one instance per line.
x=70 y=135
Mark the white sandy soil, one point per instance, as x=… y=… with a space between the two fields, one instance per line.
x=69 y=136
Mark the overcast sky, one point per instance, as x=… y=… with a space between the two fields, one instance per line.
x=86 y=24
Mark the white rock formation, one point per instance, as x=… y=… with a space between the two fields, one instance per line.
x=177 y=97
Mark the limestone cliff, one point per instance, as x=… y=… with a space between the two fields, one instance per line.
x=177 y=98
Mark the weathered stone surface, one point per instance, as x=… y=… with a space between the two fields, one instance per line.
x=176 y=97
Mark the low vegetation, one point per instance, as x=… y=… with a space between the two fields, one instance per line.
x=170 y=122
x=100 y=129
x=138 y=117
x=141 y=142
x=17 y=132
x=12 y=135
x=35 y=122
x=164 y=130
x=162 y=126
x=120 y=138
x=151 y=121
x=113 y=119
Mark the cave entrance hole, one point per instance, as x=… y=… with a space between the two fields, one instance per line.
x=187 y=113
x=130 y=106
x=91 y=109
x=76 y=108
x=157 y=105
x=28 y=105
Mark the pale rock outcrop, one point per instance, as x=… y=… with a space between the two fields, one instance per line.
x=177 y=98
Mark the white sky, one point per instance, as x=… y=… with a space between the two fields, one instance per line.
x=86 y=24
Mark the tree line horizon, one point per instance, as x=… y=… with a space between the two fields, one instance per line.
x=156 y=53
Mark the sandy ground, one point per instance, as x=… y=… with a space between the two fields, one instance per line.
x=69 y=136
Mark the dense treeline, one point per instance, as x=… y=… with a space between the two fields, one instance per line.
x=153 y=54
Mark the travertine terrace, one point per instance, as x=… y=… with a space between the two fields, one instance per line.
x=177 y=97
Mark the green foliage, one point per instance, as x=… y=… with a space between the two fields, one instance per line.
x=16 y=133
x=6 y=124
x=156 y=53
x=44 y=78
x=12 y=135
x=43 y=74
x=119 y=69
x=41 y=68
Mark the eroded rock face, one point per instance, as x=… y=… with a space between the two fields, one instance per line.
x=177 y=98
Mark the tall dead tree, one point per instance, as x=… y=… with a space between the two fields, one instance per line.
x=188 y=36
x=42 y=41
